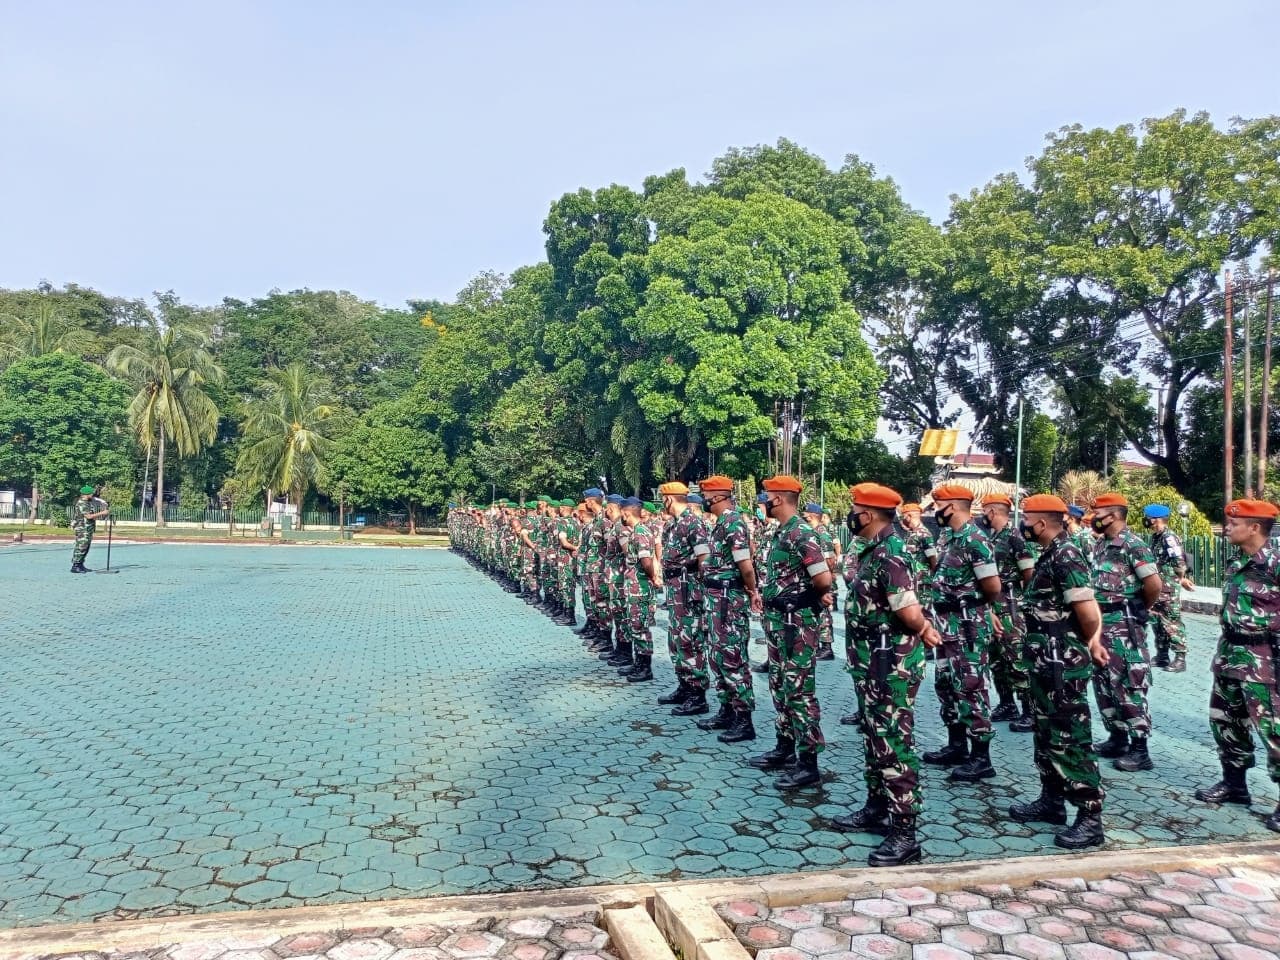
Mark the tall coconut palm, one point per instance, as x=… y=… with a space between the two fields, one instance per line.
x=43 y=330
x=1082 y=486
x=289 y=433
x=170 y=370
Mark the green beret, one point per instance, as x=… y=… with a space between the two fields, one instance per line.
x=531 y=505
x=86 y=489
x=543 y=498
x=568 y=503
x=651 y=507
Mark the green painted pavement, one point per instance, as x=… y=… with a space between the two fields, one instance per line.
x=225 y=727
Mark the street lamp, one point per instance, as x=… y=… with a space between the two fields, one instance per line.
x=1184 y=511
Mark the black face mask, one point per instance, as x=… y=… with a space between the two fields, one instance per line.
x=856 y=525
x=1100 y=525
x=768 y=508
x=1028 y=532
x=1148 y=522
x=944 y=516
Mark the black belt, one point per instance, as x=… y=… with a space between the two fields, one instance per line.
x=957 y=606
x=720 y=586
x=1113 y=606
x=1244 y=639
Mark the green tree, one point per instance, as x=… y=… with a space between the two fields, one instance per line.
x=382 y=463
x=62 y=424
x=42 y=330
x=170 y=371
x=289 y=434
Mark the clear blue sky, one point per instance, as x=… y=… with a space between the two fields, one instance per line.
x=395 y=149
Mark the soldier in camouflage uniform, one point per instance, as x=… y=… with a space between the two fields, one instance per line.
x=1063 y=642
x=1014 y=560
x=826 y=626
x=797 y=585
x=566 y=534
x=966 y=585
x=1171 y=634
x=1127 y=583
x=596 y=632
x=1244 y=695
x=921 y=549
x=886 y=631
x=613 y=559
x=730 y=593
x=685 y=545
x=85 y=514
x=529 y=552
x=639 y=582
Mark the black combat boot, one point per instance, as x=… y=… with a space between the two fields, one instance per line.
x=782 y=755
x=1273 y=822
x=1049 y=807
x=979 y=766
x=611 y=646
x=955 y=752
x=601 y=644
x=621 y=656
x=873 y=818
x=1116 y=745
x=899 y=847
x=1230 y=789
x=1136 y=759
x=740 y=729
x=1178 y=664
x=1085 y=832
x=826 y=653
x=1162 y=654
x=693 y=705
x=852 y=719
x=1026 y=721
x=760 y=667
x=1006 y=709
x=804 y=773
x=718 y=722
x=78 y=568
x=679 y=695
x=643 y=671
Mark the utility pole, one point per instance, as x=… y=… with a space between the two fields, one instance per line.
x=1248 y=398
x=1228 y=347
x=822 y=473
x=1160 y=420
x=1017 y=467
x=1264 y=425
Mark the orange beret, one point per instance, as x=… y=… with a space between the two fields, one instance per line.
x=999 y=498
x=1111 y=500
x=783 y=484
x=1252 y=510
x=673 y=488
x=876 y=495
x=952 y=491
x=718 y=482
x=910 y=508
x=1043 y=503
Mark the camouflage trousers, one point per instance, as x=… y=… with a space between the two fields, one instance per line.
x=1008 y=668
x=960 y=675
x=892 y=766
x=566 y=583
x=684 y=632
x=529 y=570
x=595 y=593
x=1236 y=706
x=1063 y=733
x=1121 y=686
x=793 y=652
x=728 y=619
x=84 y=539
x=1166 y=621
x=637 y=617
x=826 y=630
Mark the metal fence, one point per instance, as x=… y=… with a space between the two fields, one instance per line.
x=244 y=516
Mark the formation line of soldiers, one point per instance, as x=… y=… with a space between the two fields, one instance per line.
x=1044 y=609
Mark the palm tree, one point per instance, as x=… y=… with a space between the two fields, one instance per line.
x=289 y=433
x=1082 y=486
x=170 y=370
x=43 y=331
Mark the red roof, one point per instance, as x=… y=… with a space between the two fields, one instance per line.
x=974 y=460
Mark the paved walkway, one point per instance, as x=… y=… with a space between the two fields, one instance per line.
x=224 y=727
x=1202 y=913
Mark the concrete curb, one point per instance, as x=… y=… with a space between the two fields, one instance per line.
x=635 y=936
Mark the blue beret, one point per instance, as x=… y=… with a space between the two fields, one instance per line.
x=631 y=502
x=695 y=498
x=613 y=498
x=762 y=498
x=813 y=508
x=1075 y=511
x=592 y=492
x=1156 y=511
